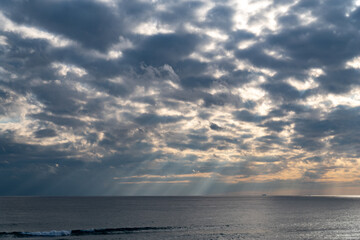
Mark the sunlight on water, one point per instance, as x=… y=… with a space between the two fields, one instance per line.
x=252 y=217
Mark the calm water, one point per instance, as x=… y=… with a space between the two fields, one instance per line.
x=179 y=218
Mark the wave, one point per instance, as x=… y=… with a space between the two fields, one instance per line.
x=80 y=232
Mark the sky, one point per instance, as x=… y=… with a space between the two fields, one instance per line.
x=169 y=97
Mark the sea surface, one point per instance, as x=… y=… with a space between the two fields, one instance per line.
x=179 y=218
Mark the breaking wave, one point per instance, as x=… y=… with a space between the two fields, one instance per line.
x=79 y=232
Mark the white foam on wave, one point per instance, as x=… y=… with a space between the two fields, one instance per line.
x=56 y=233
x=52 y=233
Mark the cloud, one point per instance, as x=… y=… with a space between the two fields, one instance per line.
x=45 y=133
x=215 y=127
x=340 y=81
x=62 y=121
x=220 y=17
x=204 y=97
x=80 y=17
x=161 y=49
x=276 y=126
x=282 y=91
x=200 y=82
x=153 y=119
x=246 y=116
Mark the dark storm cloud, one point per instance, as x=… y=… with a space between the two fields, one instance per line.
x=194 y=145
x=209 y=100
x=222 y=99
x=258 y=57
x=190 y=67
x=309 y=144
x=339 y=81
x=180 y=12
x=94 y=107
x=311 y=174
x=288 y=108
x=73 y=20
x=161 y=49
x=282 y=91
x=58 y=120
x=20 y=153
x=289 y=20
x=247 y=169
x=4 y=95
x=236 y=37
x=197 y=140
x=33 y=58
x=45 y=133
x=115 y=89
x=153 y=119
x=5 y=102
x=237 y=77
x=120 y=137
x=58 y=99
x=309 y=47
x=270 y=140
x=28 y=58
x=265 y=159
x=276 y=126
x=344 y=127
x=341 y=124
x=220 y=17
x=246 y=116
x=215 y=127
x=197 y=82
x=314 y=159
x=219 y=138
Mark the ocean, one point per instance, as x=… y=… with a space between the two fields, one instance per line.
x=179 y=218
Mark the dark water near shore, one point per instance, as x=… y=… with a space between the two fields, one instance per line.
x=179 y=218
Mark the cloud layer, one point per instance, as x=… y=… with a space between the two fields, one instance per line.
x=179 y=97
